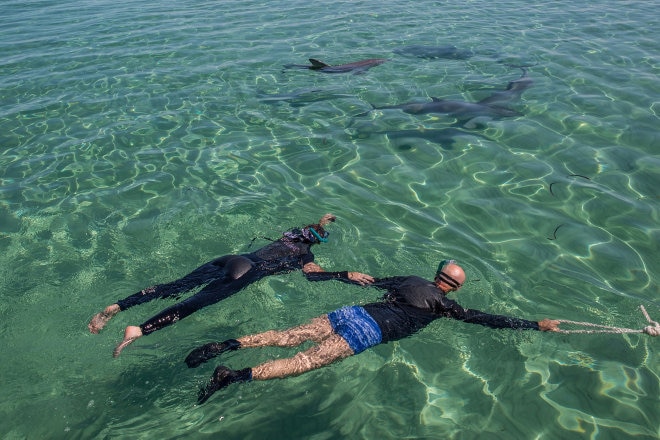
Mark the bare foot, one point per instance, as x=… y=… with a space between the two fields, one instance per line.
x=130 y=334
x=101 y=319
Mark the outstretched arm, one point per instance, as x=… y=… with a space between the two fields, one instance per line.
x=314 y=272
x=450 y=307
x=327 y=219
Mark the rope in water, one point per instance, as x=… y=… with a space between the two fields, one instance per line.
x=652 y=330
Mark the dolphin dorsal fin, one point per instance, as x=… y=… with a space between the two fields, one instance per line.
x=434 y=99
x=318 y=64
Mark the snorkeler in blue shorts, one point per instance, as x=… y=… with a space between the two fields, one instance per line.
x=410 y=304
x=227 y=275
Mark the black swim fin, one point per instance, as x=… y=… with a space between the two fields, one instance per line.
x=208 y=351
x=222 y=377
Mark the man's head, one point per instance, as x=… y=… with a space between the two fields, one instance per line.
x=449 y=276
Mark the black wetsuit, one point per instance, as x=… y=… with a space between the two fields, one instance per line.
x=227 y=275
x=411 y=303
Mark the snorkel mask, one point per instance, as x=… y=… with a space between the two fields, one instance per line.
x=323 y=237
x=308 y=234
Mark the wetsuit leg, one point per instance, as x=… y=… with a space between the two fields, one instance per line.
x=216 y=291
x=202 y=275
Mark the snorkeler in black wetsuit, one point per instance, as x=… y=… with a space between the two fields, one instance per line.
x=410 y=304
x=225 y=276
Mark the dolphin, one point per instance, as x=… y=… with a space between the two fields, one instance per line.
x=301 y=97
x=460 y=109
x=356 y=67
x=445 y=137
x=433 y=52
x=490 y=107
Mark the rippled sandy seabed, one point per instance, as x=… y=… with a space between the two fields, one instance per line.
x=142 y=139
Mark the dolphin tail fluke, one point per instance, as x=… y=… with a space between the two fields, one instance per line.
x=513 y=90
x=373 y=107
x=523 y=67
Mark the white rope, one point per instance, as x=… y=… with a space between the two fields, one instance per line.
x=652 y=330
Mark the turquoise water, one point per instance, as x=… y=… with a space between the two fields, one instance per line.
x=142 y=139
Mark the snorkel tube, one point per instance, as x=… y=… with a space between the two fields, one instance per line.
x=320 y=239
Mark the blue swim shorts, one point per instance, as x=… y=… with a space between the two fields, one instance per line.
x=356 y=326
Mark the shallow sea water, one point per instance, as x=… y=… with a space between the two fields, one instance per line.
x=142 y=139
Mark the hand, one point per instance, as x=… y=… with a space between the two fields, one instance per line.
x=328 y=218
x=312 y=267
x=549 y=325
x=361 y=278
